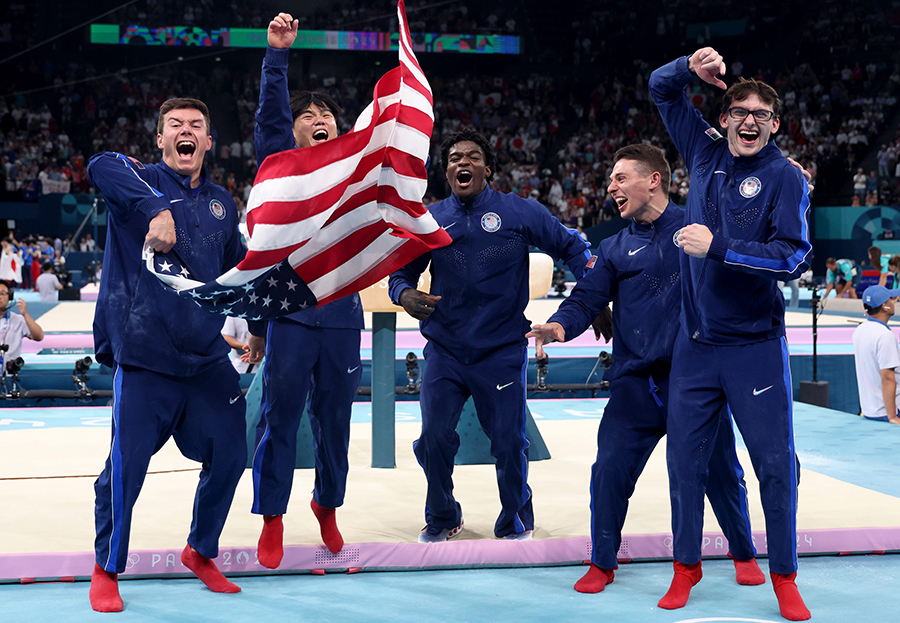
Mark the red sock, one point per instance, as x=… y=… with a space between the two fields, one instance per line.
x=206 y=570
x=328 y=526
x=686 y=576
x=595 y=580
x=270 y=550
x=789 y=600
x=747 y=572
x=104 y=591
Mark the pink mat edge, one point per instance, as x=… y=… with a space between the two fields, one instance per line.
x=455 y=554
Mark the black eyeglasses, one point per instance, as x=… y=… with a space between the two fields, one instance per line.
x=739 y=114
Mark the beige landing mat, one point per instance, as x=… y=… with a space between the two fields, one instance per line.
x=45 y=513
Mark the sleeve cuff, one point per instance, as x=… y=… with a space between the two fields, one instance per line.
x=153 y=206
x=277 y=57
x=397 y=290
x=717 y=248
x=257 y=328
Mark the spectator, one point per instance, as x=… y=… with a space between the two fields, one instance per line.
x=48 y=284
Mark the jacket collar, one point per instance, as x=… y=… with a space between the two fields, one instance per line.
x=479 y=203
x=741 y=163
x=185 y=180
x=672 y=211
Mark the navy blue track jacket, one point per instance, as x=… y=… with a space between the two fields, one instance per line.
x=483 y=274
x=756 y=207
x=638 y=270
x=140 y=321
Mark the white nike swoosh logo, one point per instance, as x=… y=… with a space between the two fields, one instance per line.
x=234 y=400
x=722 y=172
x=757 y=392
x=175 y=200
x=499 y=387
x=351 y=370
x=446 y=227
x=633 y=251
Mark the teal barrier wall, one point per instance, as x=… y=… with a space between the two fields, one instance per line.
x=56 y=215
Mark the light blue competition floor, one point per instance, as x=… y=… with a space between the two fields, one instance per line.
x=76 y=417
x=861 y=589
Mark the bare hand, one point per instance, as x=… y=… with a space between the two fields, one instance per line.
x=546 y=334
x=418 y=304
x=694 y=239
x=708 y=65
x=257 y=348
x=602 y=325
x=161 y=235
x=805 y=173
x=23 y=307
x=282 y=31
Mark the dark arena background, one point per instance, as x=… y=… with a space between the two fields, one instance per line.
x=557 y=87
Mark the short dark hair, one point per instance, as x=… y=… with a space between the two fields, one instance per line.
x=744 y=88
x=650 y=160
x=872 y=310
x=8 y=284
x=182 y=102
x=47 y=267
x=470 y=134
x=830 y=260
x=301 y=100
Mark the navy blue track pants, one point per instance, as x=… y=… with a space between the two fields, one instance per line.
x=633 y=423
x=755 y=381
x=314 y=368
x=497 y=386
x=205 y=415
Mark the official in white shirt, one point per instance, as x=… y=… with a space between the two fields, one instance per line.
x=875 y=350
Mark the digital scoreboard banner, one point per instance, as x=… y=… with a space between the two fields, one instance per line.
x=306 y=39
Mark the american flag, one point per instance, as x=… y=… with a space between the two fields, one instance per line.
x=330 y=220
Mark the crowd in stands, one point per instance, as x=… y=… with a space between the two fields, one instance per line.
x=21 y=262
x=448 y=16
x=555 y=134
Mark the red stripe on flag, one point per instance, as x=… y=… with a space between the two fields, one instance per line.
x=256 y=260
x=398 y=259
x=339 y=253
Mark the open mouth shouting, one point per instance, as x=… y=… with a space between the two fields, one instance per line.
x=185 y=150
x=320 y=135
x=464 y=178
x=748 y=137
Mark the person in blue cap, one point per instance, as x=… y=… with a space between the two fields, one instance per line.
x=875 y=351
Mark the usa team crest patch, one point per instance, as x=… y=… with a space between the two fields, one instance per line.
x=217 y=209
x=750 y=187
x=490 y=222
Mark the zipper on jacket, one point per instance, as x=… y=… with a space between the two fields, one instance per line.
x=655 y=240
x=702 y=276
x=196 y=213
